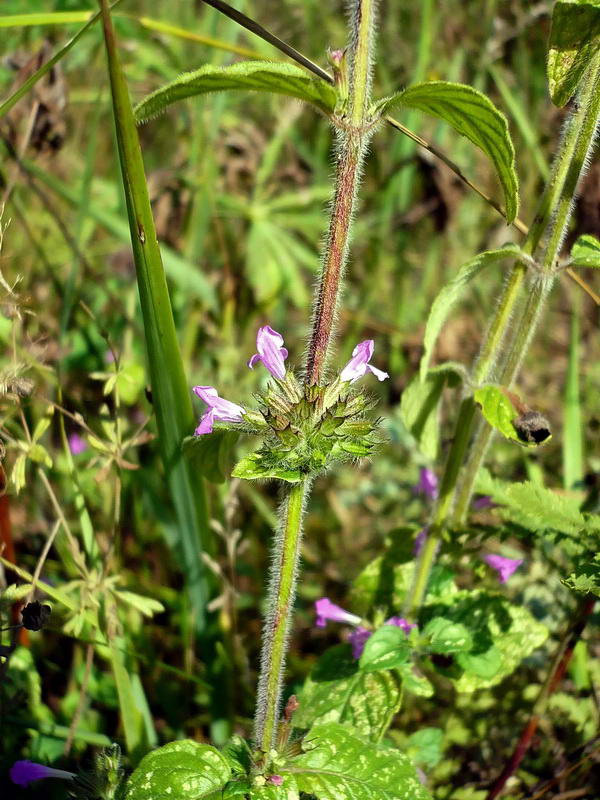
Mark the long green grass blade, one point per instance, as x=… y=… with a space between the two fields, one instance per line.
x=181 y=33
x=131 y=716
x=171 y=394
x=48 y=18
x=572 y=428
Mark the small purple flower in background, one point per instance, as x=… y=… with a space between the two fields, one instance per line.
x=271 y=352
x=218 y=409
x=420 y=540
x=25 y=772
x=358 y=639
x=328 y=611
x=503 y=566
x=276 y=780
x=428 y=483
x=77 y=444
x=359 y=363
x=483 y=501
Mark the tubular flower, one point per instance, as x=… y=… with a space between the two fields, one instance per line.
x=328 y=611
x=25 y=772
x=218 y=409
x=503 y=566
x=359 y=363
x=358 y=639
x=77 y=444
x=276 y=780
x=271 y=352
x=428 y=483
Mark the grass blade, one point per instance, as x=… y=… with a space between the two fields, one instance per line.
x=572 y=427
x=171 y=394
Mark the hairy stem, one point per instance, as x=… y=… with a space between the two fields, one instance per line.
x=282 y=591
x=352 y=138
x=544 y=241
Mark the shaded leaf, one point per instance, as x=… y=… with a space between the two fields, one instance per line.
x=211 y=454
x=261 y=76
x=446 y=636
x=573 y=42
x=450 y=294
x=474 y=116
x=337 y=691
x=425 y=746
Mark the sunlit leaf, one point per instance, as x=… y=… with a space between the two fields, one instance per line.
x=574 y=40
x=586 y=252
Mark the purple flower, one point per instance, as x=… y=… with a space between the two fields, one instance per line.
x=328 y=611
x=271 y=352
x=428 y=483
x=420 y=540
x=218 y=409
x=358 y=639
x=503 y=566
x=483 y=501
x=276 y=780
x=359 y=363
x=77 y=444
x=25 y=772
x=400 y=622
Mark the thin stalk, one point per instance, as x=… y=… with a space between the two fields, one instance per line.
x=170 y=392
x=546 y=235
x=352 y=140
x=560 y=663
x=352 y=137
x=282 y=592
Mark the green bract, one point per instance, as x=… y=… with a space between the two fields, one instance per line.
x=307 y=428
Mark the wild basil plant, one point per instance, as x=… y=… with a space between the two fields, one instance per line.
x=410 y=622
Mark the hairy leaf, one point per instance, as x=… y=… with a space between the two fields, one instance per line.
x=261 y=76
x=337 y=691
x=451 y=293
x=586 y=580
x=574 y=40
x=474 y=116
x=338 y=765
x=586 y=252
x=180 y=770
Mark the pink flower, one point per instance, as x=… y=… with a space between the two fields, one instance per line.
x=358 y=639
x=328 y=611
x=503 y=566
x=359 y=363
x=271 y=352
x=483 y=501
x=276 y=780
x=218 y=409
x=428 y=483
x=77 y=444
x=400 y=622
x=25 y=772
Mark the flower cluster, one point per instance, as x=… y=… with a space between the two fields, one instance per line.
x=327 y=611
x=305 y=428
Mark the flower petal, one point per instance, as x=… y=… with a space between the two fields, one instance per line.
x=328 y=611
x=503 y=566
x=358 y=639
x=254 y=360
x=206 y=423
x=379 y=373
x=206 y=393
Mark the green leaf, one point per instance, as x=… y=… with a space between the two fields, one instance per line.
x=586 y=580
x=451 y=293
x=386 y=648
x=425 y=746
x=211 y=454
x=503 y=635
x=446 y=636
x=472 y=115
x=586 y=252
x=182 y=770
x=415 y=683
x=338 y=765
x=147 y=606
x=573 y=43
x=261 y=76
x=337 y=691
x=253 y=468
x=499 y=410
x=131 y=714
x=170 y=390
x=420 y=411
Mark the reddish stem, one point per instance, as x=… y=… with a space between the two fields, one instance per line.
x=561 y=662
